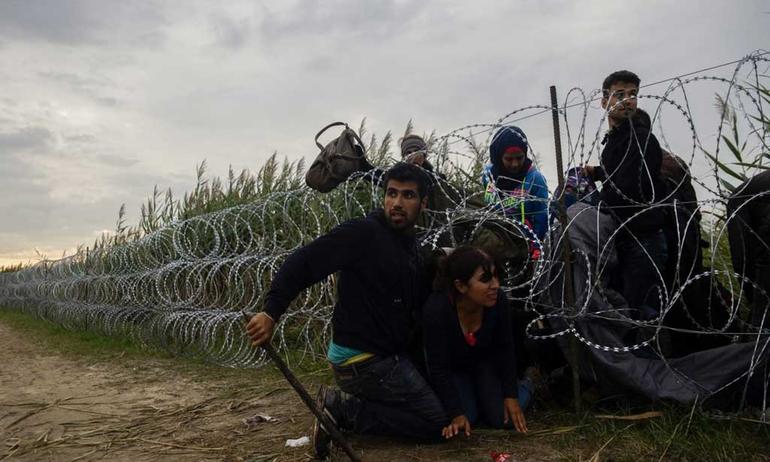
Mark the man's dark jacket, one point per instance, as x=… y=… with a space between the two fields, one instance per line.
x=380 y=288
x=630 y=170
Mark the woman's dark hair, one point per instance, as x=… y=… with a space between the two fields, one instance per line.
x=461 y=264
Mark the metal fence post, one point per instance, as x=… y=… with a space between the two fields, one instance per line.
x=566 y=253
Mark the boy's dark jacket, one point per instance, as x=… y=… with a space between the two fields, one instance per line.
x=380 y=287
x=630 y=170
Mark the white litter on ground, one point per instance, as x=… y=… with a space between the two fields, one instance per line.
x=255 y=420
x=298 y=442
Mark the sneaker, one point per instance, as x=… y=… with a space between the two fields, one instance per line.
x=321 y=438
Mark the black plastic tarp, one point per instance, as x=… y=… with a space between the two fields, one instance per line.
x=604 y=324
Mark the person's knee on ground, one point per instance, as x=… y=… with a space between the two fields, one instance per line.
x=342 y=406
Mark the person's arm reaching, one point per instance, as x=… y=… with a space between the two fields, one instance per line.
x=326 y=255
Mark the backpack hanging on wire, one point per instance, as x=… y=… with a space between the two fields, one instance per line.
x=339 y=159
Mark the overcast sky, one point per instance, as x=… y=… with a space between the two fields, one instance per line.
x=101 y=100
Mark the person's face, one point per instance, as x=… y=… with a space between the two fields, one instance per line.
x=621 y=101
x=402 y=204
x=481 y=288
x=513 y=162
x=414 y=156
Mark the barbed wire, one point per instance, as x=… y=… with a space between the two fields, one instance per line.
x=185 y=287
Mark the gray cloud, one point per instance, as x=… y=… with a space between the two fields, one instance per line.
x=50 y=20
x=319 y=64
x=117 y=161
x=78 y=22
x=230 y=32
x=36 y=215
x=26 y=205
x=89 y=86
x=74 y=80
x=81 y=138
x=25 y=139
x=343 y=19
x=101 y=99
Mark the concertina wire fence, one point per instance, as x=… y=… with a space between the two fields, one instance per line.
x=184 y=288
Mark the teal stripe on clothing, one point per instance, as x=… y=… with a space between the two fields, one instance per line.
x=338 y=354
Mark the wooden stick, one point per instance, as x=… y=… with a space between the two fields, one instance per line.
x=327 y=423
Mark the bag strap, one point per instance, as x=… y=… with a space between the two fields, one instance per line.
x=333 y=124
x=360 y=143
x=347 y=130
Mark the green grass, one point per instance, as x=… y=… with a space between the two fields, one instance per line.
x=83 y=343
x=679 y=434
x=75 y=342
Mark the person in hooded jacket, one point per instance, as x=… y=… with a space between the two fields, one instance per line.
x=512 y=181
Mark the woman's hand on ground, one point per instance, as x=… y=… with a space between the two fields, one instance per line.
x=458 y=423
x=514 y=413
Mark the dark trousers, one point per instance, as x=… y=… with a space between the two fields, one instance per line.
x=641 y=259
x=758 y=315
x=388 y=396
x=481 y=395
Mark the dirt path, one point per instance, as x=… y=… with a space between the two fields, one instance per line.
x=64 y=408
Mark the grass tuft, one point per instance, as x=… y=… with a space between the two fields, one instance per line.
x=75 y=342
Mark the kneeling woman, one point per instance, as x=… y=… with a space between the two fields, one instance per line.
x=469 y=344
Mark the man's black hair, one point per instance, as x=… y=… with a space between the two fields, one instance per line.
x=619 y=76
x=407 y=172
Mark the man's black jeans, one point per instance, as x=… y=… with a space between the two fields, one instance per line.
x=390 y=398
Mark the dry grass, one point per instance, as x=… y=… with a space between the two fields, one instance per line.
x=205 y=422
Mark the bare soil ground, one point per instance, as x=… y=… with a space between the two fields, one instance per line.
x=62 y=407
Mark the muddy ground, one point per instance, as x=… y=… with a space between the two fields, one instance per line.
x=61 y=407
